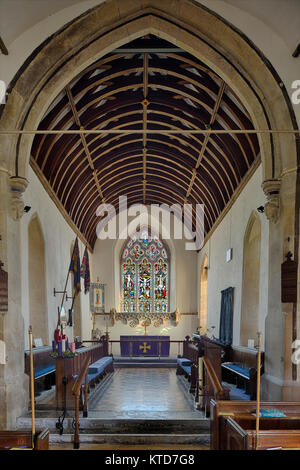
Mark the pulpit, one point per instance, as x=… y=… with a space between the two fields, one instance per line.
x=145 y=345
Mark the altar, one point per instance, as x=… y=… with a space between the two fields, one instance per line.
x=145 y=345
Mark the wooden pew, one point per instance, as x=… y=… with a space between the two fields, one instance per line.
x=68 y=369
x=221 y=410
x=44 y=368
x=187 y=364
x=240 y=367
x=10 y=439
x=273 y=433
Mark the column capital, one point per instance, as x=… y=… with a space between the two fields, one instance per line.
x=17 y=186
x=271 y=189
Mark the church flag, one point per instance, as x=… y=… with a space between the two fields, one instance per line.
x=85 y=271
x=75 y=268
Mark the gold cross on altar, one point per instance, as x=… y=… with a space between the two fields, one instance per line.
x=145 y=347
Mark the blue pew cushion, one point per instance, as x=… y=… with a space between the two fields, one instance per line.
x=237 y=368
x=187 y=369
x=182 y=361
x=44 y=371
x=99 y=366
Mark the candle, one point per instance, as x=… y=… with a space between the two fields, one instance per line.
x=67 y=344
x=59 y=348
x=73 y=347
x=53 y=345
x=63 y=345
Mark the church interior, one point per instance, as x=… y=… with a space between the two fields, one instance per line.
x=149 y=224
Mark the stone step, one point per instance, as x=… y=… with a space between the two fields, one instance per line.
x=134 y=439
x=168 y=359
x=121 y=426
x=145 y=365
x=164 y=362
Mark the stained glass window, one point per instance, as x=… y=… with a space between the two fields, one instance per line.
x=145 y=275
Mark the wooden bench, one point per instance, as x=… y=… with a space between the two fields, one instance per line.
x=273 y=433
x=23 y=439
x=240 y=368
x=187 y=364
x=44 y=368
x=221 y=411
x=67 y=370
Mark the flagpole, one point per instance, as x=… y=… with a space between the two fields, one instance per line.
x=32 y=386
x=258 y=391
x=65 y=289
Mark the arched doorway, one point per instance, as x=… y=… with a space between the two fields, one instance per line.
x=38 y=315
x=251 y=271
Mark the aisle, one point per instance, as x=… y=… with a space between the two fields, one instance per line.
x=150 y=390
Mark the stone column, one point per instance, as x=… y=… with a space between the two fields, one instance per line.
x=13 y=382
x=280 y=211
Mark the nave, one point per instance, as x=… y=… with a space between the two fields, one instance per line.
x=149 y=215
x=132 y=408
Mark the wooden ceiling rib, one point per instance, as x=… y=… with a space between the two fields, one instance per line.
x=148 y=85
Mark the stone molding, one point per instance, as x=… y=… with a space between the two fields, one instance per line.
x=271 y=189
x=18 y=186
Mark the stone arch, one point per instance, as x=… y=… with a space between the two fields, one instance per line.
x=38 y=314
x=203 y=295
x=251 y=278
x=192 y=27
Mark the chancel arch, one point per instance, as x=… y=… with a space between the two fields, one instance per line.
x=251 y=281
x=38 y=314
x=233 y=87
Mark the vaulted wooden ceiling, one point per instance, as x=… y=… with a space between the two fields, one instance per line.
x=146 y=85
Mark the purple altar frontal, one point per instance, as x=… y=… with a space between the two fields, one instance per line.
x=145 y=345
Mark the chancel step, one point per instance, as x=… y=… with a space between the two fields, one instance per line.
x=120 y=361
x=122 y=426
x=135 y=439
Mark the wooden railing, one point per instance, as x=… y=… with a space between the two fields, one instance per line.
x=77 y=387
x=219 y=392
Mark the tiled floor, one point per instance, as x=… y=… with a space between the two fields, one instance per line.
x=148 y=390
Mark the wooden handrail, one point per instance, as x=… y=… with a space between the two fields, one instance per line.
x=79 y=380
x=76 y=391
x=218 y=389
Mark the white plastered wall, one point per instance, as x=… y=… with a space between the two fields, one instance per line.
x=221 y=274
x=58 y=237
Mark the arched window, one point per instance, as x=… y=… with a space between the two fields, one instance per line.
x=145 y=275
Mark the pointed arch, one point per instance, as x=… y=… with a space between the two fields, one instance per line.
x=145 y=268
x=38 y=313
x=251 y=276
